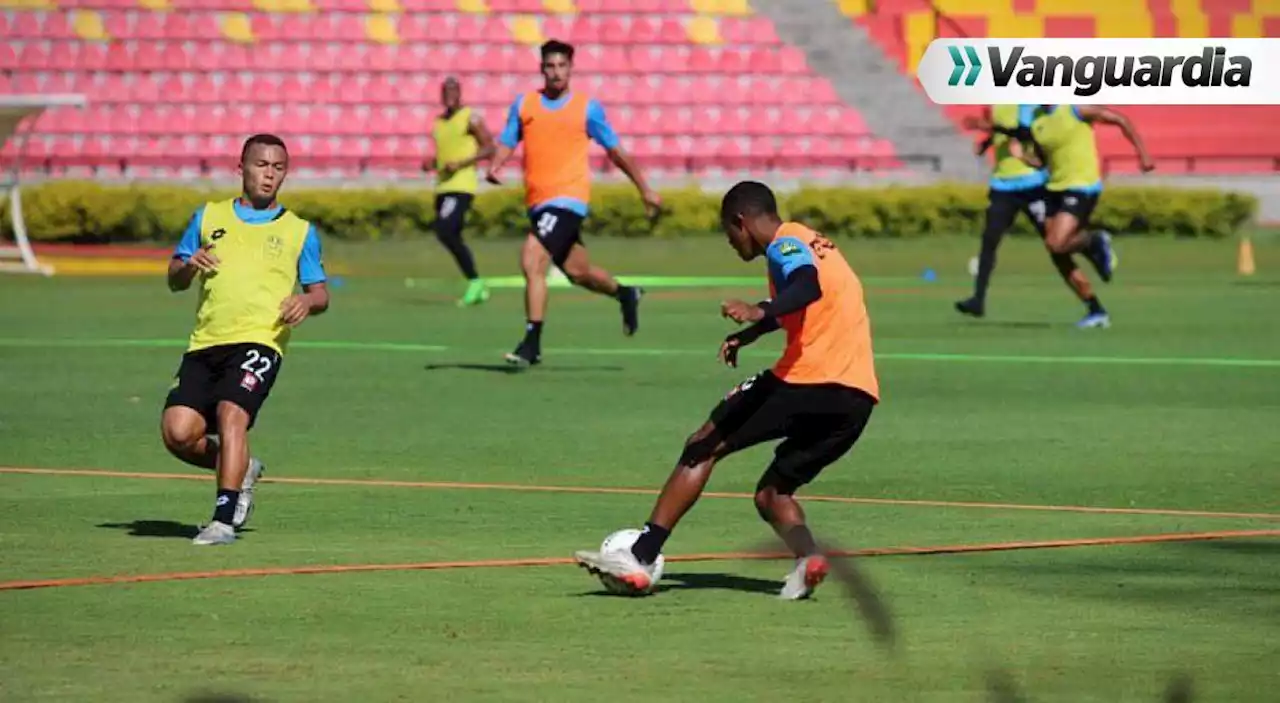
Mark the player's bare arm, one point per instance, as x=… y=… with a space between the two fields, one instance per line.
x=501 y=154
x=1106 y=115
x=621 y=159
x=313 y=300
x=486 y=147
x=182 y=273
x=1031 y=157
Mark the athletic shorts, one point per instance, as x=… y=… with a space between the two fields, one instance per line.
x=242 y=374
x=1076 y=202
x=451 y=213
x=558 y=229
x=817 y=423
x=1003 y=207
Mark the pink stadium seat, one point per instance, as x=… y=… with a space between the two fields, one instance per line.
x=179 y=25
x=65 y=56
x=57 y=27
x=92 y=57
x=26 y=25
x=33 y=57
x=8 y=57
x=148 y=25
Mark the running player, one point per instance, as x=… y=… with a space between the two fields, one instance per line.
x=246 y=255
x=462 y=140
x=817 y=398
x=1064 y=139
x=557 y=126
x=1015 y=187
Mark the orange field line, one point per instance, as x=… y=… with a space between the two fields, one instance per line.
x=563 y=561
x=387 y=483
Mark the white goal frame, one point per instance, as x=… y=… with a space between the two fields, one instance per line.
x=15 y=110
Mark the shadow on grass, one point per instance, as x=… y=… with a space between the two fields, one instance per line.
x=512 y=370
x=719 y=581
x=220 y=698
x=158 y=528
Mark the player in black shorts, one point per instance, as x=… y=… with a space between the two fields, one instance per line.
x=817 y=399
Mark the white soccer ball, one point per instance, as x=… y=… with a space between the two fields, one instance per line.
x=973 y=266
x=622 y=540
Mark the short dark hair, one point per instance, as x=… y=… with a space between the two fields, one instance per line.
x=264 y=139
x=748 y=198
x=555 y=46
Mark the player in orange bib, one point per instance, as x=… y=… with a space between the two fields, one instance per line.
x=557 y=126
x=817 y=398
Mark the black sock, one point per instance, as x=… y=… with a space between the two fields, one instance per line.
x=1095 y=307
x=224 y=509
x=986 y=264
x=649 y=546
x=533 y=333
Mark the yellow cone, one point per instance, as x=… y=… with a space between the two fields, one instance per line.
x=1244 y=258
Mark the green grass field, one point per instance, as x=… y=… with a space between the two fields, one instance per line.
x=1175 y=409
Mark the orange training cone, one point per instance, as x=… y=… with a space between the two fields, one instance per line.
x=1244 y=258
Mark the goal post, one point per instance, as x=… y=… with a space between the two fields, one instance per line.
x=17 y=114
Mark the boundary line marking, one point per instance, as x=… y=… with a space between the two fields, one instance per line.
x=339 y=345
x=564 y=561
x=602 y=490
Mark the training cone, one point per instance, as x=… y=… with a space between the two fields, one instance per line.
x=1244 y=258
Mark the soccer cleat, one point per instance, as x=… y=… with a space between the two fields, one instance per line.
x=801 y=582
x=215 y=533
x=477 y=293
x=1103 y=255
x=620 y=571
x=1094 y=319
x=524 y=356
x=244 y=505
x=630 y=301
x=971 y=306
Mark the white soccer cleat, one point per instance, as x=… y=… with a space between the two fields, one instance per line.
x=215 y=533
x=801 y=582
x=244 y=505
x=619 y=571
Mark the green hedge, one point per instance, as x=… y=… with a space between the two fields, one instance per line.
x=93 y=212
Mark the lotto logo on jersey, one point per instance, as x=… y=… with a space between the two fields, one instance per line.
x=249 y=382
x=1101 y=71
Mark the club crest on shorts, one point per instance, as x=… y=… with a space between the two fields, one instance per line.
x=249 y=382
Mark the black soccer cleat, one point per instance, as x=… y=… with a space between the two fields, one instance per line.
x=971 y=307
x=629 y=298
x=524 y=356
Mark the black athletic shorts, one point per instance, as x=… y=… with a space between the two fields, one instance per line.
x=1076 y=202
x=1003 y=207
x=817 y=423
x=558 y=229
x=239 y=373
x=451 y=213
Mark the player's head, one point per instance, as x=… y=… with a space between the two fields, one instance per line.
x=749 y=215
x=557 y=65
x=451 y=94
x=264 y=163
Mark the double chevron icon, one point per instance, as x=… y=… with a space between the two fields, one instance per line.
x=974 y=65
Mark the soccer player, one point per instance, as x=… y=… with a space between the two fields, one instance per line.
x=817 y=398
x=246 y=255
x=557 y=126
x=462 y=140
x=1015 y=187
x=1064 y=141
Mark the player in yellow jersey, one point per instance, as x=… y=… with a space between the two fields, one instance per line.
x=1064 y=142
x=462 y=140
x=247 y=256
x=1015 y=186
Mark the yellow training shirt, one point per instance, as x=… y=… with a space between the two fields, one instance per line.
x=454 y=142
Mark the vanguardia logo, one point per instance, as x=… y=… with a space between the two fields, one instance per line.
x=1087 y=75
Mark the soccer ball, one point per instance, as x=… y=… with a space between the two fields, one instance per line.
x=623 y=539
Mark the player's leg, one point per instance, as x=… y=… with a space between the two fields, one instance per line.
x=747 y=416
x=1077 y=208
x=578 y=268
x=827 y=423
x=534 y=264
x=1066 y=231
x=451 y=213
x=184 y=424
x=1002 y=208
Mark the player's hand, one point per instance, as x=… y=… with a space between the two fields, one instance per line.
x=1147 y=165
x=652 y=203
x=447 y=170
x=729 y=351
x=971 y=122
x=204 y=260
x=741 y=311
x=295 y=309
x=492 y=177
